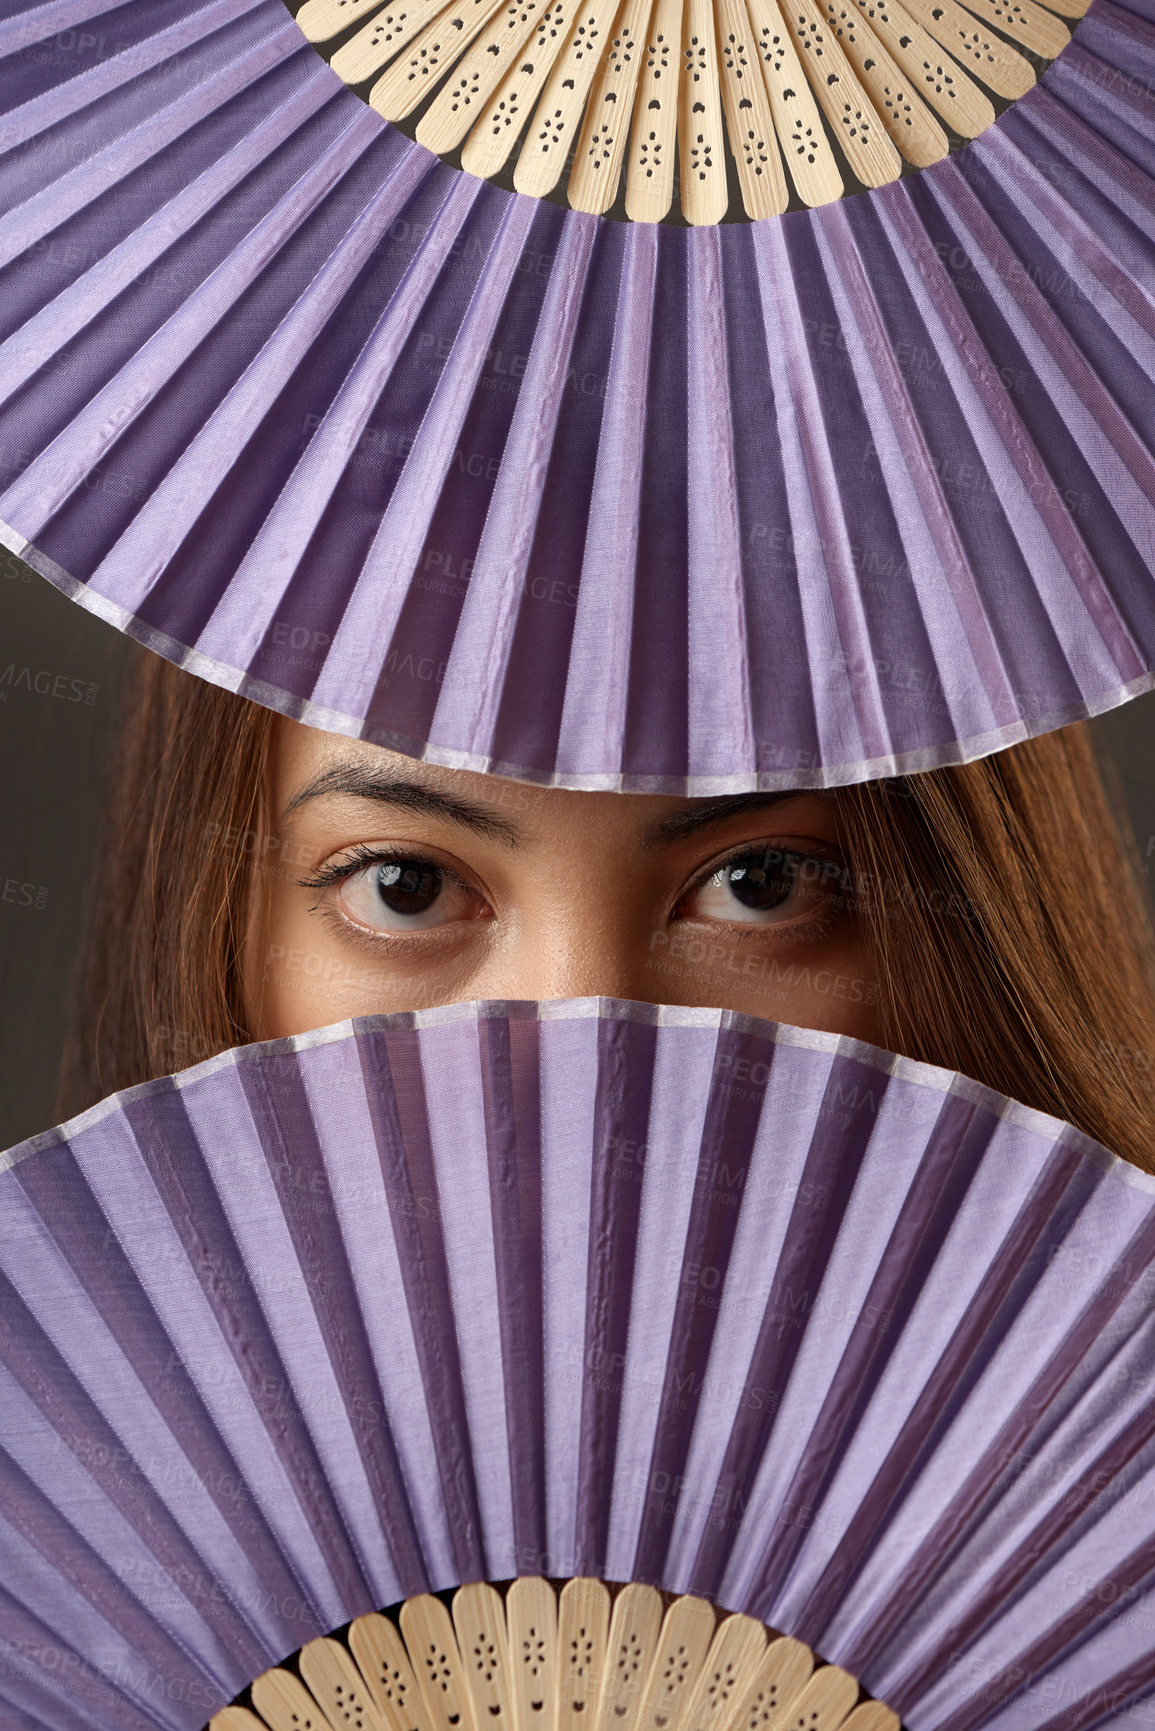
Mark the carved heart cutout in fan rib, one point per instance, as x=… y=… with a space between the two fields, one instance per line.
x=536 y=1663
x=773 y=1319
x=849 y=492
x=796 y=95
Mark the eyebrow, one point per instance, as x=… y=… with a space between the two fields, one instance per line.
x=706 y=813
x=360 y=782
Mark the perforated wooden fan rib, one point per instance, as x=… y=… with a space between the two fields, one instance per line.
x=539 y=1661
x=668 y=92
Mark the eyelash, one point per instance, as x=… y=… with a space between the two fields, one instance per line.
x=837 y=868
x=361 y=857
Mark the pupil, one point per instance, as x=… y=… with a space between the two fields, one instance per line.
x=762 y=880
x=408 y=886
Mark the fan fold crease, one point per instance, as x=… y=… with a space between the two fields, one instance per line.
x=842 y=493
x=828 y=1336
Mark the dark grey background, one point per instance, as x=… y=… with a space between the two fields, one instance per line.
x=53 y=746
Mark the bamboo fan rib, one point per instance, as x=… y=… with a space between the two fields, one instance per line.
x=524 y=1664
x=699 y=100
x=753 y=1315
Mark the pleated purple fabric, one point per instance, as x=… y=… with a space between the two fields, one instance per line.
x=674 y=1295
x=846 y=493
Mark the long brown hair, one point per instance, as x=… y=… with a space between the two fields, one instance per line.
x=1003 y=915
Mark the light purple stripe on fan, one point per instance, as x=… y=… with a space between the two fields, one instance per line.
x=69 y=97
x=626 y=1053
x=48 y=481
x=471 y=694
x=58 y=323
x=464 y=1203
x=401 y=1125
x=727 y=1139
x=831 y=1169
x=928 y=1214
x=835 y=623
x=29 y=223
x=285 y=1126
x=1041 y=329
x=55 y=1682
x=25 y=29
x=1014 y=1269
x=360 y=646
x=152 y=538
x=670 y=1167
x=83 y=1430
x=166 y=1140
x=597 y=685
x=94 y=1252
x=1023 y=486
x=721 y=737
x=926 y=523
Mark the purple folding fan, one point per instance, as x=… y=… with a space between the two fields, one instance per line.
x=675 y=1297
x=826 y=495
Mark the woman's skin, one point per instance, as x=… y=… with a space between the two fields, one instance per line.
x=391 y=884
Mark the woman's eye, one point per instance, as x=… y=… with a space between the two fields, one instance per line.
x=406 y=895
x=763 y=886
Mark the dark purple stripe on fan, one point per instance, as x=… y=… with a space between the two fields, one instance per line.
x=658 y=698
x=97 y=1260
x=74 y=1560
x=1113 y=251
x=1017 y=1443
x=57 y=1394
x=824 y=1190
x=1022 y=263
x=1000 y=1691
x=511 y=1091
x=728 y=1137
x=156 y=42
x=924 y=465
x=1106 y=1480
x=1021 y=1260
x=54 y=1678
x=1107 y=98
x=391 y=1065
x=976 y=350
x=1123 y=41
x=513 y=1131
x=853 y=497
x=16 y=1719
x=626 y=1055
x=172 y=1153
x=408 y=692
x=542 y=639
x=44 y=90
x=962 y=1137
x=289 y=1138
x=298 y=404
x=1100 y=163
x=782 y=696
